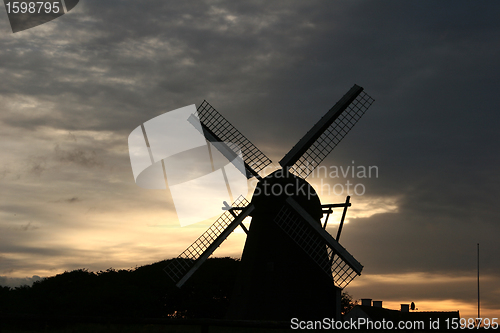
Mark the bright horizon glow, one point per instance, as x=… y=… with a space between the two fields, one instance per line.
x=466 y=310
x=369 y=286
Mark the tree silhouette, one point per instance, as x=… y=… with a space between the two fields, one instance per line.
x=143 y=292
x=347 y=303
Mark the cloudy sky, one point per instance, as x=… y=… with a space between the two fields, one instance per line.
x=73 y=89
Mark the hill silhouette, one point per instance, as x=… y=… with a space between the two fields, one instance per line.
x=143 y=292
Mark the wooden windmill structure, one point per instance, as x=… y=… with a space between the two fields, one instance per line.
x=290 y=266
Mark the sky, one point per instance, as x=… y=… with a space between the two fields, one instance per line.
x=73 y=89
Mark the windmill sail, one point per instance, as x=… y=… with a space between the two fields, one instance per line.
x=318 y=243
x=229 y=150
x=181 y=268
x=217 y=127
x=313 y=148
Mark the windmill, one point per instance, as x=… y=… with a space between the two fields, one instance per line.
x=290 y=265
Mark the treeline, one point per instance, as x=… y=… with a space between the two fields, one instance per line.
x=143 y=292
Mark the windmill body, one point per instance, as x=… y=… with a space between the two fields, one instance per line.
x=291 y=267
x=277 y=279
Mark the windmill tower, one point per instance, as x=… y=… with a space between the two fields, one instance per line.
x=290 y=266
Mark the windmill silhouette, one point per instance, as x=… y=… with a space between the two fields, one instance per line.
x=290 y=265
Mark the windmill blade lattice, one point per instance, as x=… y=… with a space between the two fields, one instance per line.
x=319 y=244
x=182 y=267
x=224 y=131
x=325 y=135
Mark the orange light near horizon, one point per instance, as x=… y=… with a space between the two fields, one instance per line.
x=466 y=310
x=424 y=290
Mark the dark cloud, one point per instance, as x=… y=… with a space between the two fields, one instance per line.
x=28 y=226
x=68 y=200
x=37 y=165
x=78 y=156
